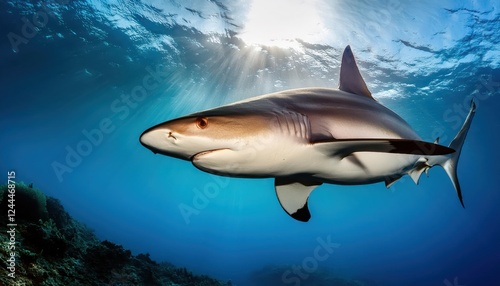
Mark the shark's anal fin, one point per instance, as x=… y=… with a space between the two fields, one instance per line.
x=345 y=147
x=293 y=194
x=350 y=77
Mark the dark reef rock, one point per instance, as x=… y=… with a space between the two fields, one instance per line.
x=57 y=213
x=54 y=249
x=30 y=204
x=106 y=257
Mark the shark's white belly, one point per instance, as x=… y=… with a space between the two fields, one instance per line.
x=358 y=168
x=361 y=168
x=277 y=160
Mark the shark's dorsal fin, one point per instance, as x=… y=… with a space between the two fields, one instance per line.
x=350 y=78
x=293 y=194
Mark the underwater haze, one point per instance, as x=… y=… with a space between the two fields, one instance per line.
x=81 y=80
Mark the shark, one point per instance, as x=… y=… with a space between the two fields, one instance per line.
x=307 y=137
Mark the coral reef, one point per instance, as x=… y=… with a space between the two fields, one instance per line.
x=275 y=275
x=54 y=249
x=31 y=204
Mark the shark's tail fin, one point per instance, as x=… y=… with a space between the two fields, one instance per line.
x=450 y=162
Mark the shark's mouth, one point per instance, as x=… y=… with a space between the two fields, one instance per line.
x=200 y=154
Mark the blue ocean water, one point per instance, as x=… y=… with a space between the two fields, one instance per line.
x=81 y=80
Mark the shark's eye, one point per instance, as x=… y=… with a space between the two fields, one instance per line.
x=202 y=122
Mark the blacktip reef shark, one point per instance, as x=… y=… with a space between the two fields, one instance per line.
x=306 y=137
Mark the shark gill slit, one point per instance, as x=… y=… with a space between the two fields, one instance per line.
x=283 y=123
x=302 y=127
x=296 y=124
x=277 y=115
x=287 y=123
x=293 y=117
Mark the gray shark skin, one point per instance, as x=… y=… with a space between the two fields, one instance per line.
x=306 y=137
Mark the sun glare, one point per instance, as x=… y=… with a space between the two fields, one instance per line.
x=281 y=22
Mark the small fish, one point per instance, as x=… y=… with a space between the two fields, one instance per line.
x=306 y=137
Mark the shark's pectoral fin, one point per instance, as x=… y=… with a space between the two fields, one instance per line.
x=345 y=147
x=293 y=194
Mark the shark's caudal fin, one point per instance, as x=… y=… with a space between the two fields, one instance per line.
x=448 y=162
x=451 y=163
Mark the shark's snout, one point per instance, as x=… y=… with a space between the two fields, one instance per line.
x=162 y=140
x=145 y=140
x=153 y=139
